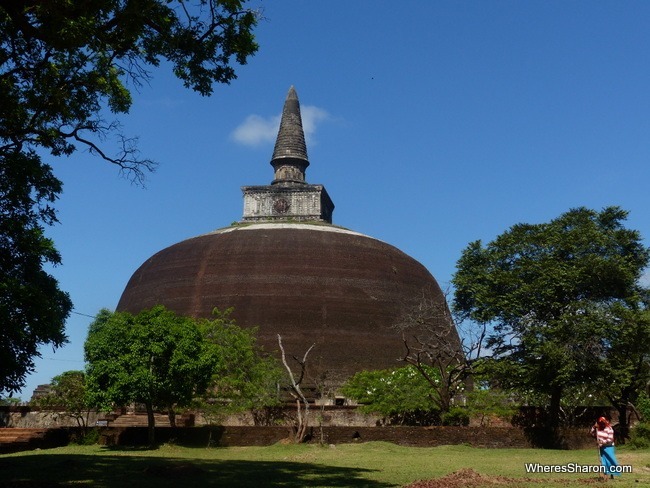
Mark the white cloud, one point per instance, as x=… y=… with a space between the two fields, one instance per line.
x=311 y=117
x=257 y=130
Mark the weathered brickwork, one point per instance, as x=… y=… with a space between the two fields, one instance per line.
x=488 y=437
x=287 y=271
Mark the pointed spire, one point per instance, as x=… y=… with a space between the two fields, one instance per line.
x=290 y=153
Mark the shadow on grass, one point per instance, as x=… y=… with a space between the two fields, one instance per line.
x=56 y=470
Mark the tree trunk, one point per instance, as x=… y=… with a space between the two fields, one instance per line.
x=621 y=405
x=554 y=409
x=151 y=425
x=172 y=416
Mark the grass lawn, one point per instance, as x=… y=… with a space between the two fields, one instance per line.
x=373 y=464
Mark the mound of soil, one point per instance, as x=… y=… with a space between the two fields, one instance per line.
x=468 y=478
x=462 y=478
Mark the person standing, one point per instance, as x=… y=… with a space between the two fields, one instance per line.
x=604 y=434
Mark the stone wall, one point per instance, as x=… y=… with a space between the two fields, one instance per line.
x=328 y=416
x=31 y=418
x=339 y=425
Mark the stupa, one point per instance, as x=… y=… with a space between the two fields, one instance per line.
x=286 y=269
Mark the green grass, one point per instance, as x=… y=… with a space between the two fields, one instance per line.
x=373 y=464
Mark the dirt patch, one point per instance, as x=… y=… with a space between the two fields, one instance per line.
x=468 y=478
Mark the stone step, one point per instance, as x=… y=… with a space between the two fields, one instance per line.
x=10 y=434
x=140 y=420
x=21 y=439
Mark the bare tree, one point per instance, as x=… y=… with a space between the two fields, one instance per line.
x=433 y=346
x=302 y=415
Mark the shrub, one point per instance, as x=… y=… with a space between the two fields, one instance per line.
x=401 y=395
x=640 y=435
x=456 y=416
x=487 y=404
x=88 y=438
x=643 y=406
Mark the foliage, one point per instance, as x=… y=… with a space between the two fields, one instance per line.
x=64 y=64
x=626 y=364
x=486 y=404
x=244 y=378
x=434 y=349
x=394 y=393
x=156 y=358
x=32 y=307
x=643 y=406
x=640 y=435
x=68 y=393
x=61 y=62
x=9 y=401
x=550 y=293
x=89 y=438
x=456 y=416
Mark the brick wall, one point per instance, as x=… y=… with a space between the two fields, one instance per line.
x=491 y=437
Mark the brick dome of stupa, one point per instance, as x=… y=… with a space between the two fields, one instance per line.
x=287 y=270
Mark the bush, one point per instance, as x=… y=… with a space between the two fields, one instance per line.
x=416 y=417
x=643 y=406
x=456 y=416
x=640 y=436
x=401 y=395
x=487 y=404
x=88 y=438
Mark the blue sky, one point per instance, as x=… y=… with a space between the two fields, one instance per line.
x=430 y=123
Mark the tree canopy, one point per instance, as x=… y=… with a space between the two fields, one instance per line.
x=68 y=393
x=166 y=361
x=32 y=307
x=551 y=293
x=62 y=62
x=64 y=67
x=626 y=365
x=155 y=358
x=244 y=378
x=402 y=395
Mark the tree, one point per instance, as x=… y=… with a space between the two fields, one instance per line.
x=9 y=401
x=402 y=395
x=62 y=62
x=643 y=406
x=155 y=358
x=434 y=349
x=244 y=378
x=295 y=381
x=627 y=360
x=32 y=307
x=549 y=292
x=63 y=65
x=487 y=404
x=68 y=392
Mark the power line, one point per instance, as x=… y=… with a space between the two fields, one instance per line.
x=85 y=315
